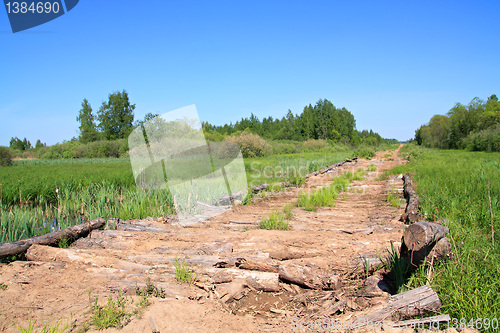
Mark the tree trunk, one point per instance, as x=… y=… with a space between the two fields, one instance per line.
x=52 y=238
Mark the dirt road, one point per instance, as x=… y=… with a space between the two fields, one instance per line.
x=247 y=279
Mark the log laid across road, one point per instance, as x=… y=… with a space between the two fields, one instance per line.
x=52 y=238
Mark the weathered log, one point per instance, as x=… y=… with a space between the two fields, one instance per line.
x=441 y=251
x=420 y=239
x=308 y=276
x=265 y=281
x=422 y=234
x=411 y=213
x=251 y=265
x=52 y=238
x=402 y=306
x=52 y=254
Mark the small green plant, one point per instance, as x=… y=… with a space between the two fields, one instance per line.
x=398 y=267
x=287 y=210
x=248 y=199
x=367 y=266
x=3 y=286
x=359 y=175
x=372 y=167
x=322 y=197
x=296 y=180
x=150 y=290
x=112 y=314
x=275 y=221
x=393 y=199
x=182 y=272
x=46 y=328
x=275 y=187
x=65 y=242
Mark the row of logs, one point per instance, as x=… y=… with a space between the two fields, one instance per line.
x=423 y=243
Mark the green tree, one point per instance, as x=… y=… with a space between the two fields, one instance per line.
x=88 y=128
x=116 y=117
x=40 y=144
x=437 y=133
x=418 y=136
x=16 y=143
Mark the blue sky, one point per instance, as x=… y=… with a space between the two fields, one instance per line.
x=393 y=64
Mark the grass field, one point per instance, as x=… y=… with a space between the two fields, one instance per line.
x=37 y=197
x=462 y=189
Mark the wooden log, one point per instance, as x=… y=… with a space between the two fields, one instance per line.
x=411 y=213
x=308 y=276
x=422 y=234
x=251 y=265
x=410 y=304
x=441 y=251
x=419 y=241
x=52 y=238
x=265 y=281
x=52 y=254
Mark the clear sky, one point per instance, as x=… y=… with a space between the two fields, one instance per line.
x=393 y=64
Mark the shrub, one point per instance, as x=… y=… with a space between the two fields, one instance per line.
x=364 y=152
x=252 y=145
x=487 y=140
x=285 y=148
x=314 y=145
x=5 y=156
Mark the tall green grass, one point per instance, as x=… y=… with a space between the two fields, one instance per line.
x=456 y=187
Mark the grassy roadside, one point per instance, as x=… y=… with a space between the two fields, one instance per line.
x=462 y=189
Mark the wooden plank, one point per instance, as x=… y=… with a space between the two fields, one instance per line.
x=409 y=304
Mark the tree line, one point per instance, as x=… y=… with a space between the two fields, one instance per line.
x=475 y=126
x=323 y=121
x=104 y=133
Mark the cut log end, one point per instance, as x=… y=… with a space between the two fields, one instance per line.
x=425 y=243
